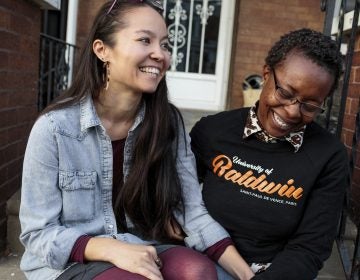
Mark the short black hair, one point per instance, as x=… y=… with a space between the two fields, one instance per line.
x=316 y=46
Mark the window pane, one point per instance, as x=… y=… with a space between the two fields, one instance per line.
x=201 y=26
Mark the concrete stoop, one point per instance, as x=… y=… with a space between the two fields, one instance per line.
x=13 y=224
x=9 y=265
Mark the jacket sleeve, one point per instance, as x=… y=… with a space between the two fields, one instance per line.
x=41 y=201
x=311 y=244
x=201 y=229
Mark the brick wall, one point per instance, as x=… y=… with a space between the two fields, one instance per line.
x=87 y=12
x=19 y=56
x=351 y=109
x=259 y=24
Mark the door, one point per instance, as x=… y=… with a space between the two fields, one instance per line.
x=200 y=37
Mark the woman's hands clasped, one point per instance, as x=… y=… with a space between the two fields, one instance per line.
x=134 y=258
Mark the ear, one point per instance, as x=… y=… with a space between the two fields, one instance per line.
x=100 y=50
x=266 y=73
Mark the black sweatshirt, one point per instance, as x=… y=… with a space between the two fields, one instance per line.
x=278 y=206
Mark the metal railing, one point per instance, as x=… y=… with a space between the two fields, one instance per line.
x=348 y=232
x=55 y=62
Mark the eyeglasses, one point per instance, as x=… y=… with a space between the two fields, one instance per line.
x=157 y=4
x=286 y=98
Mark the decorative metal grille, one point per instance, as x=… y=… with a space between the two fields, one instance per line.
x=348 y=234
x=54 y=68
x=193 y=27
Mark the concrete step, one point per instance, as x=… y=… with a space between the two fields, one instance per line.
x=9 y=265
x=13 y=224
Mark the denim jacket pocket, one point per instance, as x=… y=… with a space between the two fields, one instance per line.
x=78 y=196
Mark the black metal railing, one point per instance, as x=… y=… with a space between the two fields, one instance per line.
x=55 y=58
x=348 y=232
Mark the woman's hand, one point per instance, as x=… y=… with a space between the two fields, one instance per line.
x=134 y=258
x=233 y=263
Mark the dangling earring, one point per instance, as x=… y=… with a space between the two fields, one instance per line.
x=106 y=74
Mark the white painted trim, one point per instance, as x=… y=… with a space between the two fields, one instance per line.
x=49 y=4
x=205 y=91
x=224 y=50
x=71 y=29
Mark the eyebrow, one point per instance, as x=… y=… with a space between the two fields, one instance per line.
x=150 y=33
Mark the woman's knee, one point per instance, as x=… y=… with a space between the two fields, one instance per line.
x=187 y=264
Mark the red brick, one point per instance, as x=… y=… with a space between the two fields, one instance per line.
x=352 y=106
x=354 y=90
x=347 y=136
x=356 y=75
x=4 y=20
x=3 y=60
x=349 y=121
x=3 y=137
x=7 y=118
x=14 y=133
x=356 y=59
x=357 y=163
x=357 y=44
x=15 y=168
x=22 y=147
x=356 y=176
x=19 y=23
x=29 y=45
x=19 y=80
x=9 y=152
x=21 y=62
x=22 y=97
x=9 y=188
x=3 y=172
x=4 y=99
x=23 y=114
x=352 y=75
x=8 y=40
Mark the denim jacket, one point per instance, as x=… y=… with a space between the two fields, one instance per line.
x=67 y=189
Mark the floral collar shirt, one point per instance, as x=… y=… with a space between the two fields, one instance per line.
x=253 y=127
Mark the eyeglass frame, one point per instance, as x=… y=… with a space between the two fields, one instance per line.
x=293 y=100
x=153 y=3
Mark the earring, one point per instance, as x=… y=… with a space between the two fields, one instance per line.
x=106 y=74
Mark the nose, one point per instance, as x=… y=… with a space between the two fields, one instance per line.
x=293 y=110
x=157 y=53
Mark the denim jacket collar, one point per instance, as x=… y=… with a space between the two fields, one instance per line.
x=89 y=117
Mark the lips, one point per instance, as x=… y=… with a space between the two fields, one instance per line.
x=281 y=123
x=153 y=71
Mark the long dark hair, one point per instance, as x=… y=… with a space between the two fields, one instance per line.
x=152 y=191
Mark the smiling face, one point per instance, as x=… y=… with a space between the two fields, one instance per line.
x=140 y=57
x=307 y=81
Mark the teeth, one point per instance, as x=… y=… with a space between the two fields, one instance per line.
x=280 y=122
x=150 y=70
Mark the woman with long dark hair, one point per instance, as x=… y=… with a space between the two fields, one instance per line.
x=109 y=181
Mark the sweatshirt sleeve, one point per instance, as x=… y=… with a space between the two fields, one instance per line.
x=199 y=143
x=312 y=242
